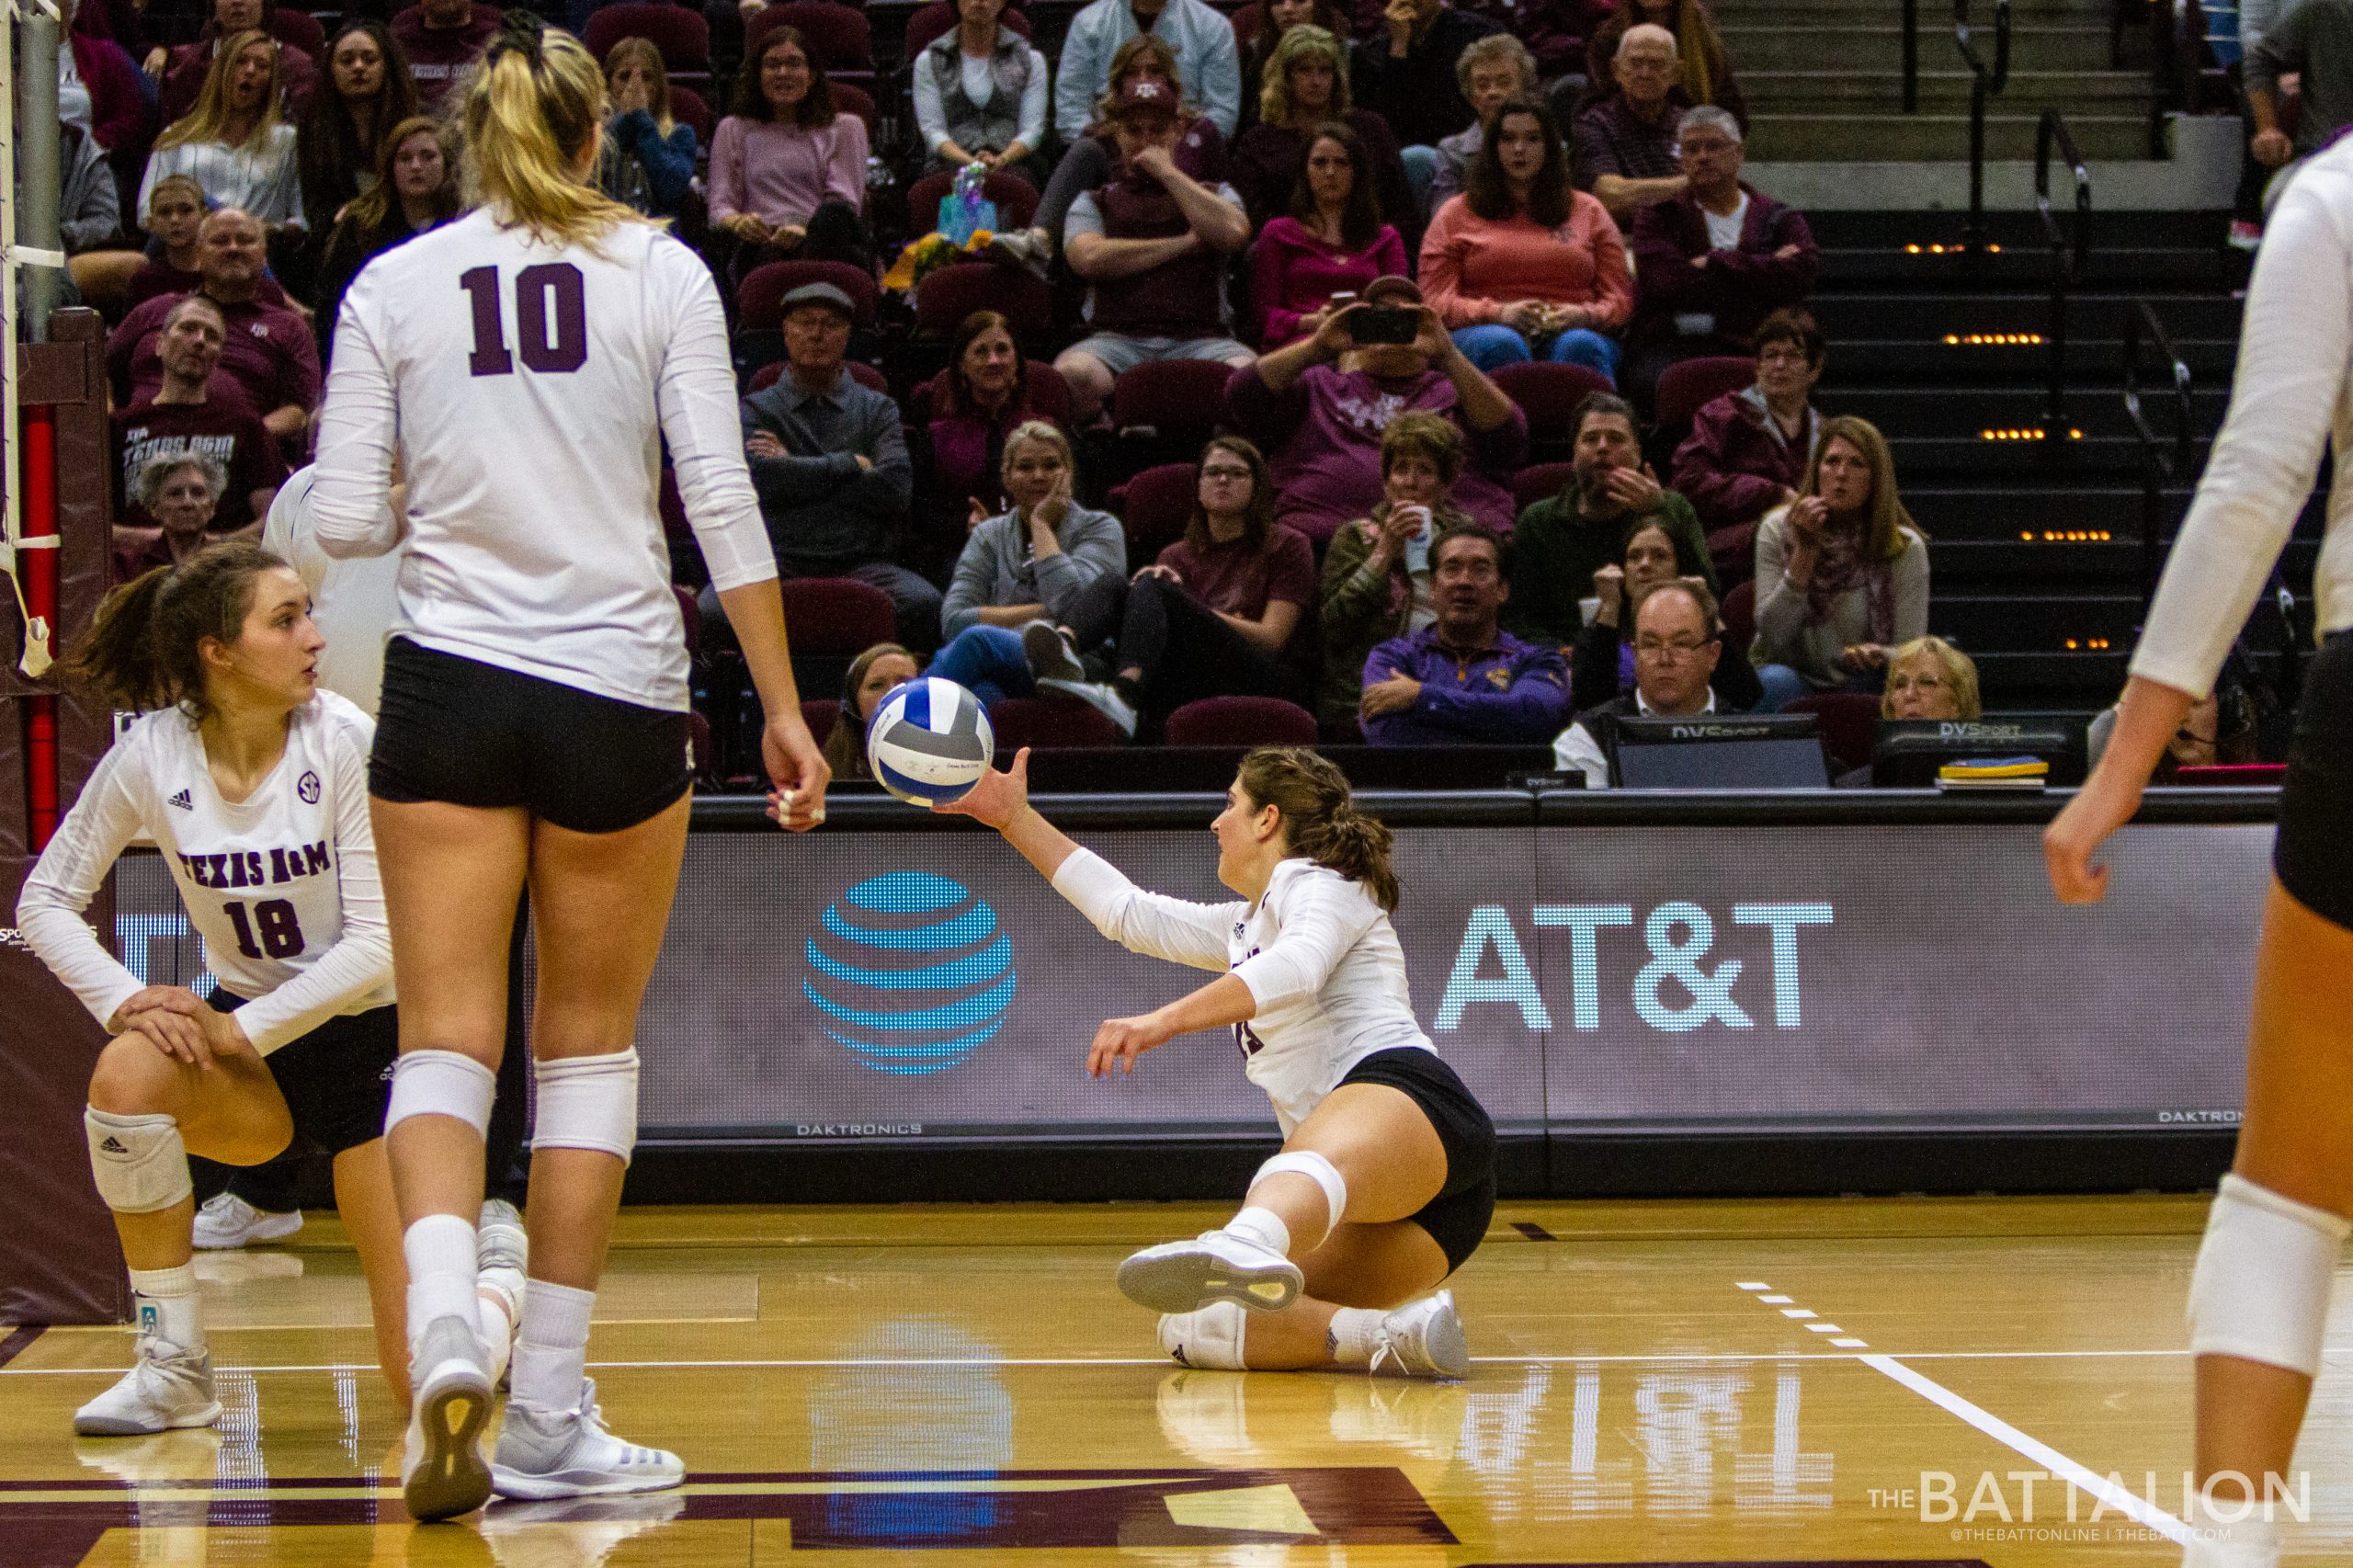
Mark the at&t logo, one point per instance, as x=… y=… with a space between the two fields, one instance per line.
x=910 y=974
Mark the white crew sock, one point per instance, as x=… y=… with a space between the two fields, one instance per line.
x=1354 y=1335
x=1263 y=1227
x=440 y=1252
x=552 y=1355
x=2234 y=1534
x=167 y=1305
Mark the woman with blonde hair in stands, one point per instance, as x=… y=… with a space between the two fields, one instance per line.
x=648 y=159
x=1306 y=88
x=1929 y=678
x=532 y=727
x=234 y=143
x=1842 y=571
x=415 y=189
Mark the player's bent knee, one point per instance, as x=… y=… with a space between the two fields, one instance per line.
x=1315 y=1168
x=133 y=1078
x=587 y=1102
x=1210 y=1337
x=442 y=1082
x=2260 y=1291
x=139 y=1162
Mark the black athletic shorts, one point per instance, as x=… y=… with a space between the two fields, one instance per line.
x=2313 y=854
x=337 y=1079
x=477 y=735
x=1457 y=1218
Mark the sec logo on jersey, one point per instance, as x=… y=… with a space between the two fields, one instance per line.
x=308 y=788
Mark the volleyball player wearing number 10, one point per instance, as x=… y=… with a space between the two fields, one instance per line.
x=528 y=358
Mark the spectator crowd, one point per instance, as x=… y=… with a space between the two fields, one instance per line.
x=1411 y=284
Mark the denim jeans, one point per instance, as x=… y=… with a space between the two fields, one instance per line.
x=1491 y=344
x=986 y=661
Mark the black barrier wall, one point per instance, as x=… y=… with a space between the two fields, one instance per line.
x=1687 y=994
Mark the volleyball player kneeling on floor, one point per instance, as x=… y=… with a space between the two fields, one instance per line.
x=253 y=783
x=1386 y=1179
x=534 y=718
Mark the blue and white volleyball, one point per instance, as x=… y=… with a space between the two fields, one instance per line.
x=929 y=742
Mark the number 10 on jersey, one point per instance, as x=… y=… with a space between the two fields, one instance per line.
x=550 y=320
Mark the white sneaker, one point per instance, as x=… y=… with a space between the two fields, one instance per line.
x=227 y=1220
x=502 y=1257
x=1099 y=695
x=1422 y=1339
x=169 y=1386
x=1032 y=248
x=1179 y=1277
x=569 y=1453
x=442 y=1474
x=1048 y=652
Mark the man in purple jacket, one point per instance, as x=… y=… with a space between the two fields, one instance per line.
x=1712 y=263
x=1747 y=450
x=1318 y=408
x=1463 y=679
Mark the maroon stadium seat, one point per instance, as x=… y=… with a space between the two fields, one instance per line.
x=840 y=617
x=1733 y=551
x=1849 y=721
x=1015 y=199
x=1541 y=482
x=1174 y=397
x=820 y=715
x=865 y=375
x=1739 y=608
x=838 y=36
x=945 y=297
x=691 y=110
x=929 y=24
x=851 y=98
x=1240 y=721
x=299 y=29
x=1688 y=388
x=1051 y=723
x=1154 y=508
x=759 y=298
x=682 y=36
x=1548 y=394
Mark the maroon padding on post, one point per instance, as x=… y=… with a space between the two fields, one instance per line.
x=59 y=1261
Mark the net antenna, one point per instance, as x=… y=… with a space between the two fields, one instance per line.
x=31 y=246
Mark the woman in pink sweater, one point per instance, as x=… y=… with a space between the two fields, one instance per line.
x=787 y=173
x=1520 y=263
x=1332 y=240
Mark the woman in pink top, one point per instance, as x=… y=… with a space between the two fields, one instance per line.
x=1333 y=239
x=1521 y=264
x=788 y=173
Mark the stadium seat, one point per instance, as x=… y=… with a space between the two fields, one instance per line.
x=1179 y=401
x=1015 y=199
x=682 y=36
x=1539 y=483
x=1849 y=721
x=931 y=22
x=1733 y=551
x=838 y=36
x=945 y=297
x=765 y=377
x=1738 y=609
x=1049 y=395
x=1153 y=507
x=1051 y=723
x=691 y=110
x=836 y=617
x=851 y=98
x=1549 y=394
x=299 y=29
x=759 y=298
x=1240 y=721
x=820 y=715
x=1692 y=385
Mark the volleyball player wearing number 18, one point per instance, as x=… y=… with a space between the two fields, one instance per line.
x=527 y=360
x=2258 y=1298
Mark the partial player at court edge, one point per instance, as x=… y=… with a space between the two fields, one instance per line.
x=528 y=360
x=1386 y=1179
x=2260 y=1296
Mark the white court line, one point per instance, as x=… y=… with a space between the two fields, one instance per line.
x=2060 y=1466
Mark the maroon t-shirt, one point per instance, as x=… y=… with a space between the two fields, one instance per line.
x=438 y=56
x=1238 y=580
x=247 y=450
x=268 y=361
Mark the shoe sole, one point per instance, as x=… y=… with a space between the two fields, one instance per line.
x=114 y=1426
x=451 y=1478
x=1450 y=1353
x=526 y=1488
x=1056 y=663
x=1185 y=1279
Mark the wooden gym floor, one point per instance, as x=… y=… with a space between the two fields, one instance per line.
x=1841 y=1381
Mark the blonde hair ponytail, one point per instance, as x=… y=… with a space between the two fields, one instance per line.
x=533 y=104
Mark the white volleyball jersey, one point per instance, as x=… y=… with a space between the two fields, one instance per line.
x=281 y=885
x=1319 y=956
x=529 y=386
x=2292 y=394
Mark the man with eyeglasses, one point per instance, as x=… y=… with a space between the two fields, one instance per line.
x=1677 y=641
x=1463 y=679
x=1748 y=450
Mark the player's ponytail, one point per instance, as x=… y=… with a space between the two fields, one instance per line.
x=1322 y=817
x=141 y=651
x=532 y=107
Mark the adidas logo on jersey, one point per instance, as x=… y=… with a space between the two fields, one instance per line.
x=183 y=801
x=112 y=1145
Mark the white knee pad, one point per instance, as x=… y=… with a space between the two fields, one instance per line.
x=442 y=1082
x=2261 y=1286
x=1210 y=1337
x=1317 y=1169
x=139 y=1162
x=588 y=1102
